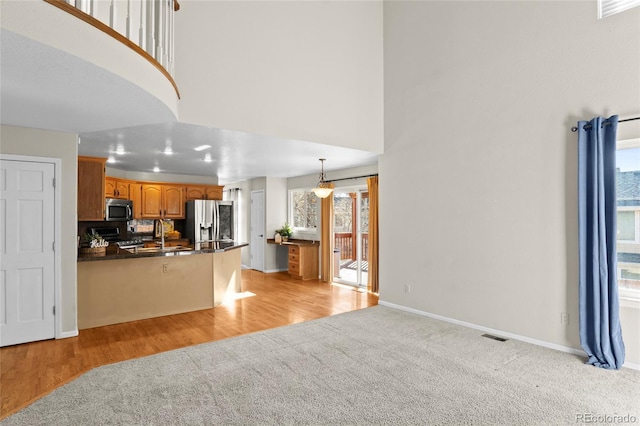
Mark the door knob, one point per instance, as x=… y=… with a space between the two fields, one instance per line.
x=260 y=235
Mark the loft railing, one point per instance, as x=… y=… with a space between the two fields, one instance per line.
x=146 y=26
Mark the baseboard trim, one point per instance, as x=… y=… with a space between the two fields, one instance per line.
x=501 y=333
x=67 y=334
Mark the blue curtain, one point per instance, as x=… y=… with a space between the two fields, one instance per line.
x=600 y=331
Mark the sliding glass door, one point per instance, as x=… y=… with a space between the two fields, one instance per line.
x=351 y=226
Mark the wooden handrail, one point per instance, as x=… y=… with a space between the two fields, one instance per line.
x=61 y=4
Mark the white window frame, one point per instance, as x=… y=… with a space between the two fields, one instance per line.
x=301 y=230
x=628 y=297
x=636 y=228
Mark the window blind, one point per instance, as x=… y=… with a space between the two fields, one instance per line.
x=611 y=7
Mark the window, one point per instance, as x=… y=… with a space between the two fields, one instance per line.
x=611 y=7
x=628 y=218
x=627 y=226
x=304 y=207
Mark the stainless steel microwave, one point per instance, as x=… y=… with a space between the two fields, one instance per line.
x=118 y=210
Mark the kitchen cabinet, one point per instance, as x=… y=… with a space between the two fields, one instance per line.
x=91 y=181
x=303 y=261
x=173 y=199
x=193 y=192
x=135 y=195
x=116 y=188
x=162 y=201
x=213 y=192
x=203 y=192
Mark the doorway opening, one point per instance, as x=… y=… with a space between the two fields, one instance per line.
x=351 y=235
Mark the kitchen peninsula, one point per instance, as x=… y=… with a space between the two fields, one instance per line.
x=128 y=284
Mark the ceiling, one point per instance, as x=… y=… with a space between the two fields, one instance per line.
x=46 y=88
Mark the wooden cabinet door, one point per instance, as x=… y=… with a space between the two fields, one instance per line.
x=173 y=200
x=91 y=188
x=110 y=187
x=116 y=188
x=122 y=189
x=195 y=193
x=135 y=195
x=151 y=201
x=214 y=192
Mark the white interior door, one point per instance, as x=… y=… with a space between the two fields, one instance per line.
x=27 y=261
x=257 y=230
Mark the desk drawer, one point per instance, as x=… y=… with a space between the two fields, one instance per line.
x=294 y=258
x=294 y=268
x=294 y=250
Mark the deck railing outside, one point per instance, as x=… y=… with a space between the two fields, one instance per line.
x=344 y=242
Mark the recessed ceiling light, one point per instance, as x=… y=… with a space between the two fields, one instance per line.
x=207 y=157
x=168 y=151
x=156 y=169
x=120 y=150
x=201 y=147
x=111 y=159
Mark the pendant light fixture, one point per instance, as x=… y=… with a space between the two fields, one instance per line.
x=323 y=190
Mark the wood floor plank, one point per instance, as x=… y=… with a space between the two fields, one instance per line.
x=32 y=370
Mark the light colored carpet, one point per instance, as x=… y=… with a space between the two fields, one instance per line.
x=373 y=366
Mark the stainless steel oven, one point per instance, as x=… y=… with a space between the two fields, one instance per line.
x=118 y=210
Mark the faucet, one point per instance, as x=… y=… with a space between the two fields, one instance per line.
x=161 y=233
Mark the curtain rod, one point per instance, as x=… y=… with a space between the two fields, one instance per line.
x=575 y=129
x=231 y=189
x=354 y=177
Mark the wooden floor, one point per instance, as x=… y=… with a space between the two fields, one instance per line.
x=32 y=370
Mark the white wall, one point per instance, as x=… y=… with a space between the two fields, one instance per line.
x=311 y=181
x=307 y=71
x=41 y=143
x=478 y=178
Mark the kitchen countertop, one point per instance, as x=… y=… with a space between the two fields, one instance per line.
x=291 y=242
x=114 y=252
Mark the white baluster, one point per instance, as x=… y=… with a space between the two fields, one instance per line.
x=112 y=14
x=163 y=58
x=158 y=32
x=141 y=38
x=171 y=37
x=127 y=24
x=151 y=42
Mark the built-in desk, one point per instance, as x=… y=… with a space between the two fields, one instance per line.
x=303 y=258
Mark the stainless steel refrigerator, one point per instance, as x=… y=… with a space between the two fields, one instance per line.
x=209 y=220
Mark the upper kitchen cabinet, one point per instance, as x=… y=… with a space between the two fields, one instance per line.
x=173 y=198
x=135 y=195
x=195 y=192
x=116 y=188
x=203 y=192
x=162 y=201
x=91 y=187
x=214 y=192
